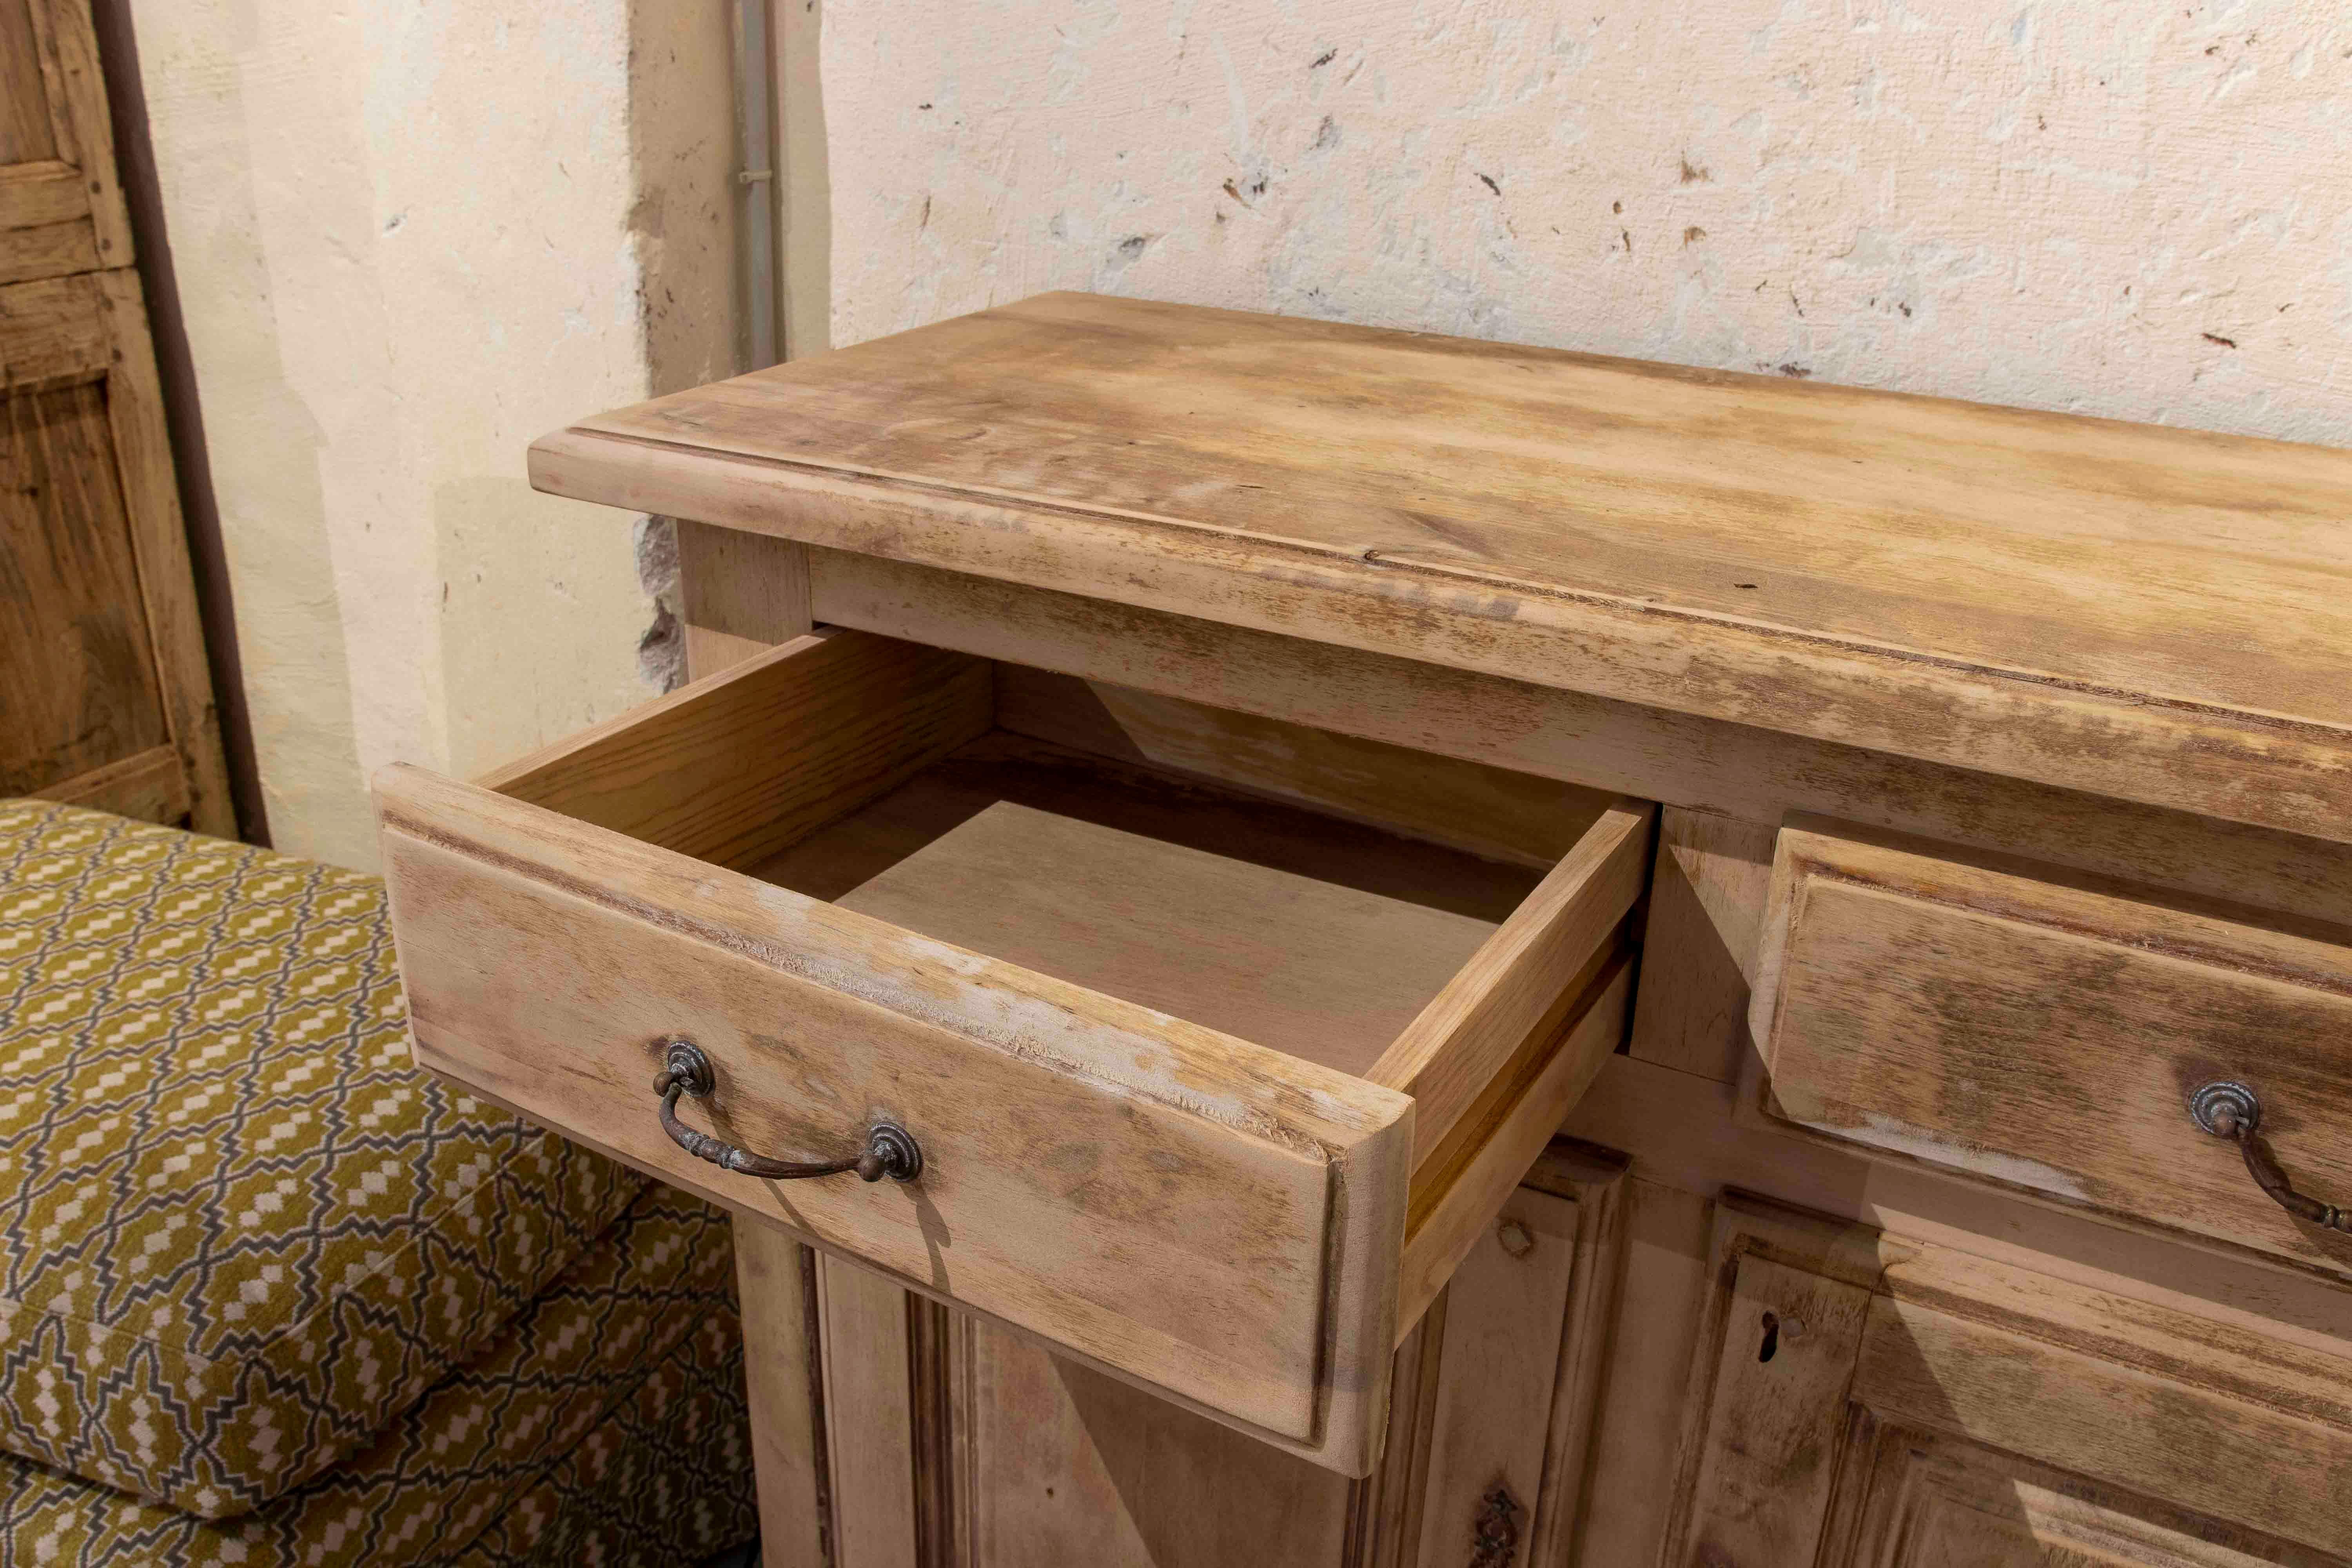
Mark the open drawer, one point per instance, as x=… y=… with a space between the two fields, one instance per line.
x=1218 y=1045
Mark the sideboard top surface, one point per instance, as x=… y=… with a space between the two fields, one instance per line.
x=2148 y=613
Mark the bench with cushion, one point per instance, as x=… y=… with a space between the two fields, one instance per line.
x=269 y=1294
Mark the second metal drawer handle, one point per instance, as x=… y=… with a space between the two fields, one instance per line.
x=2228 y=1110
x=890 y=1150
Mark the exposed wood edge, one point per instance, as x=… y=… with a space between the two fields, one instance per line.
x=1704 y=765
x=738 y=593
x=1451 y=1206
x=2144 y=746
x=1446 y=1057
x=159 y=542
x=524 y=777
x=152 y=786
x=35 y=194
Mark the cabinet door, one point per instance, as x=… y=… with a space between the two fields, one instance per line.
x=956 y=1442
x=1863 y=1402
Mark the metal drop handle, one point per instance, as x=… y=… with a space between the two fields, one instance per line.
x=2230 y=1110
x=890 y=1150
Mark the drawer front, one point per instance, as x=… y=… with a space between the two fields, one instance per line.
x=1186 y=1209
x=2050 y=1038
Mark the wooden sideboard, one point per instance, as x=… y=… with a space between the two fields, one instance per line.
x=1495 y=957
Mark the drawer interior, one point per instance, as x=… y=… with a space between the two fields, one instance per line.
x=1322 y=937
x=1438 y=930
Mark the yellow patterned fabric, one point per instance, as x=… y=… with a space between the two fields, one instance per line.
x=604 y=1425
x=242 y=1230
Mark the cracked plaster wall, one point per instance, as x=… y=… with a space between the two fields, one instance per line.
x=2112 y=206
x=409 y=238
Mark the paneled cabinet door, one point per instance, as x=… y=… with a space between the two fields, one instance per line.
x=1865 y=1403
x=955 y=1444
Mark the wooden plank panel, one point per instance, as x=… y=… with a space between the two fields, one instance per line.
x=1651 y=1338
x=1783 y=1359
x=152 y=786
x=81 y=692
x=151 y=490
x=2047 y=1038
x=1501 y=1348
x=1699 y=952
x=2032 y=595
x=1203 y=1213
x=782 y=1311
x=1449 y=1056
x=1729 y=770
x=2233 y=1459
x=52 y=333
x=45 y=223
x=26 y=136
x=734 y=767
x=73 y=89
x=868 y=1418
x=1489 y=811
x=1066 y=1466
x=743 y=593
x=1454 y=1197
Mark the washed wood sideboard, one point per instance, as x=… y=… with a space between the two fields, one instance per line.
x=1453 y=953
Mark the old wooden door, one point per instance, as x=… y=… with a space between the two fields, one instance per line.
x=104 y=694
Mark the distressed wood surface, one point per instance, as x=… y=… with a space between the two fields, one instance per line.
x=1203 y=1213
x=2034 y=595
x=740 y=594
x=2047 y=1038
x=167 y=593
x=1728 y=770
x=2217 y=1424
x=1475 y=1170
x=790 y=1451
x=1450 y=1055
x=61 y=207
x=1707 y=898
x=870 y=1418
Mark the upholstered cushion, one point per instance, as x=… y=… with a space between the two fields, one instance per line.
x=606 y=1425
x=242 y=1230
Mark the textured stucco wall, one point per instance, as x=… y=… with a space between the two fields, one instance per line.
x=409 y=238
x=2123 y=208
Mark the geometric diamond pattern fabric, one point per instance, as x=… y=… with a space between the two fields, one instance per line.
x=241 y=1232
x=603 y=1425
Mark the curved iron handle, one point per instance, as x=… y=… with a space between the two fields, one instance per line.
x=2229 y=1109
x=890 y=1150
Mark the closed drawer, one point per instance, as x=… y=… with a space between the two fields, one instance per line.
x=2050 y=1038
x=1213 y=1086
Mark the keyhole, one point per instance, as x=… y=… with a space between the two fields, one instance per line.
x=1772 y=1345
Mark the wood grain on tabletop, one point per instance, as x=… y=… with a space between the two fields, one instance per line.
x=2037 y=595
x=1908 y=1003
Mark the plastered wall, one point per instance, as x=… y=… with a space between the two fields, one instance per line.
x=2126 y=208
x=408 y=238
